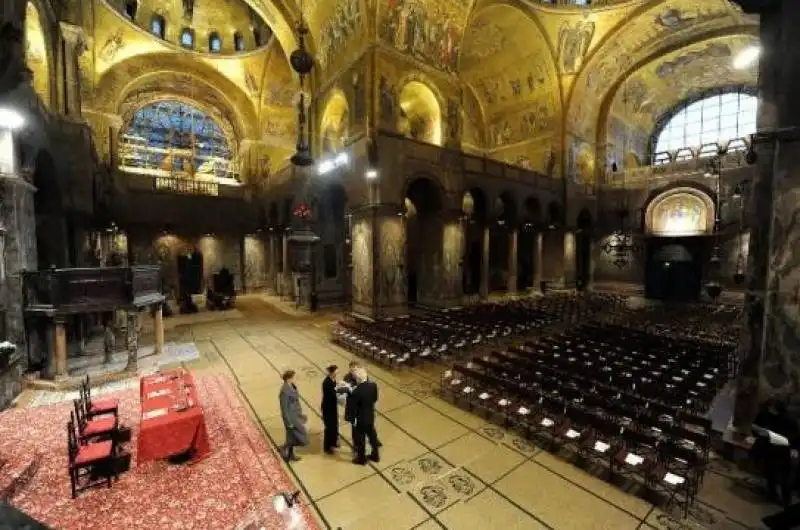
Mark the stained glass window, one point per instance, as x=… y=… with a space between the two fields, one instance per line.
x=172 y=138
x=715 y=119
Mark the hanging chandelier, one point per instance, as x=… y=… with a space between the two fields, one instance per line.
x=621 y=245
x=302 y=63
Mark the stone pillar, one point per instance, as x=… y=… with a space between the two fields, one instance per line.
x=537 y=262
x=484 y=288
x=769 y=357
x=132 y=340
x=513 y=262
x=389 y=233
x=158 y=327
x=60 y=348
x=570 y=265
x=273 y=263
x=363 y=277
x=285 y=287
x=74 y=47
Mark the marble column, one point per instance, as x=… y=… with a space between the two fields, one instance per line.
x=74 y=47
x=513 y=261
x=379 y=261
x=451 y=278
x=484 y=287
x=158 y=327
x=132 y=341
x=770 y=347
x=570 y=265
x=60 y=348
x=273 y=263
x=537 y=262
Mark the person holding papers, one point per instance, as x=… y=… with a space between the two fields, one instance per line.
x=777 y=441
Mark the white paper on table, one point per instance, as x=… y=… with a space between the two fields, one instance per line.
x=633 y=459
x=674 y=479
x=468 y=390
x=455 y=382
x=448 y=374
x=601 y=447
x=503 y=402
x=708 y=376
x=523 y=411
x=158 y=393
x=484 y=396
x=547 y=422
x=150 y=414
x=571 y=434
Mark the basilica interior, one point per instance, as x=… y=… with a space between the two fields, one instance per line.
x=457 y=194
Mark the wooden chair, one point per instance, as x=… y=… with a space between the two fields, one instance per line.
x=84 y=460
x=92 y=429
x=97 y=407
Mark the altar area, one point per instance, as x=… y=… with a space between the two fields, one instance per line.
x=228 y=479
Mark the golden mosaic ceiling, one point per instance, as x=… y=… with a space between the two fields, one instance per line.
x=661 y=84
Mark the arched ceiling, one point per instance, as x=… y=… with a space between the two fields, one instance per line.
x=653 y=30
x=507 y=60
x=662 y=84
x=203 y=17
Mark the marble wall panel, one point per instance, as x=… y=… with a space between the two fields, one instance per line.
x=363 y=297
x=392 y=290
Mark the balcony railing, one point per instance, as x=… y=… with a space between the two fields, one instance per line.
x=140 y=179
x=69 y=291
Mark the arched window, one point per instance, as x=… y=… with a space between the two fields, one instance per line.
x=716 y=119
x=257 y=37
x=158 y=26
x=187 y=38
x=215 y=43
x=238 y=42
x=172 y=138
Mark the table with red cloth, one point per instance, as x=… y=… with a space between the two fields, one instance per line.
x=165 y=430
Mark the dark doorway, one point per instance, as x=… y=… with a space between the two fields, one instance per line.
x=475 y=209
x=51 y=230
x=190 y=273
x=423 y=207
x=674 y=268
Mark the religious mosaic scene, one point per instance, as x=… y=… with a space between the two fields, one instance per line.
x=399 y=264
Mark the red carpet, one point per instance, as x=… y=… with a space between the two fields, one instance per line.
x=235 y=484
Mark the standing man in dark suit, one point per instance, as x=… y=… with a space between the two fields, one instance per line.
x=330 y=410
x=364 y=398
x=351 y=383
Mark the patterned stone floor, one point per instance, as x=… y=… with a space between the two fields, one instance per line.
x=441 y=467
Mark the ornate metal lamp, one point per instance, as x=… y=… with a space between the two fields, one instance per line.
x=302 y=63
x=713 y=287
x=621 y=246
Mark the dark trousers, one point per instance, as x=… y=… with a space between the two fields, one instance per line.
x=360 y=435
x=330 y=437
x=779 y=470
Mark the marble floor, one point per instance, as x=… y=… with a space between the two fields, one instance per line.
x=441 y=467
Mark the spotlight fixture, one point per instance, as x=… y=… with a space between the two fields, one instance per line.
x=371 y=174
x=747 y=57
x=11 y=119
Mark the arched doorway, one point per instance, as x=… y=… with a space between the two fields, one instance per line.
x=475 y=211
x=526 y=246
x=423 y=205
x=332 y=228
x=679 y=222
x=583 y=250
x=505 y=209
x=52 y=237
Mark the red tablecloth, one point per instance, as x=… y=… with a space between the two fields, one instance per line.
x=171 y=432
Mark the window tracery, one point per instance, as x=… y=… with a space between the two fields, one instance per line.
x=717 y=119
x=174 y=139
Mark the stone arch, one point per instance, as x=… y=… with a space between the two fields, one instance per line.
x=334 y=125
x=506 y=208
x=555 y=214
x=420 y=112
x=680 y=211
x=532 y=211
x=477 y=217
x=163 y=73
x=40 y=49
x=479 y=210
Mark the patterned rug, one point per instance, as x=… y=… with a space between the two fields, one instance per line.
x=231 y=487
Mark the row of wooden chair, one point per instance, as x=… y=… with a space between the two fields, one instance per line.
x=93 y=440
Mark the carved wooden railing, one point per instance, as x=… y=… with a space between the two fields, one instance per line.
x=71 y=291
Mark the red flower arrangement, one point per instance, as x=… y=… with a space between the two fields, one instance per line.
x=302 y=211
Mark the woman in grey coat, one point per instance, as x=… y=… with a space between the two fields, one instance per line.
x=293 y=418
